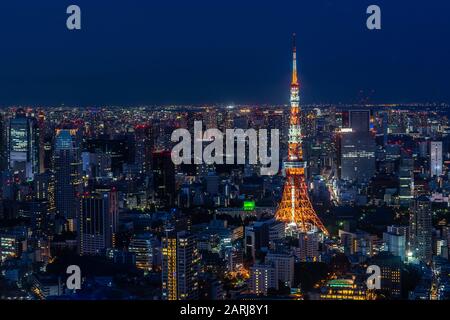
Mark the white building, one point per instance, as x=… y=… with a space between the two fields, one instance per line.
x=284 y=266
x=308 y=249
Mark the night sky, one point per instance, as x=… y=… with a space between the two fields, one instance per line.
x=215 y=51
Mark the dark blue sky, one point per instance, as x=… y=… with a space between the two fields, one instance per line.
x=233 y=51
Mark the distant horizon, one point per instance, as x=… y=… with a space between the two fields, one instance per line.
x=237 y=105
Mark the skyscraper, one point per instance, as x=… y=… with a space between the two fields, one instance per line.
x=96 y=225
x=420 y=234
x=164 y=177
x=406 y=181
x=395 y=240
x=23 y=145
x=143 y=135
x=308 y=250
x=2 y=144
x=180 y=262
x=142 y=246
x=358 y=149
x=67 y=168
x=436 y=158
x=360 y=120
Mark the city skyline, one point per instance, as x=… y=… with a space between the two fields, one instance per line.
x=189 y=201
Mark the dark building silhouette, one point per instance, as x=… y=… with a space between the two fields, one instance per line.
x=67 y=168
x=164 y=177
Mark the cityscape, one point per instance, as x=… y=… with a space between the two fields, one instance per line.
x=97 y=188
x=345 y=201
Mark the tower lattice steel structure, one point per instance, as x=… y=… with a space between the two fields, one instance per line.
x=295 y=207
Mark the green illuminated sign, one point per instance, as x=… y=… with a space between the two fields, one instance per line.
x=249 y=205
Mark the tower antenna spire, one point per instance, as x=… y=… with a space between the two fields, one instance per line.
x=294 y=60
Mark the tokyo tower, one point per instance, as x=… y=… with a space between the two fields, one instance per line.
x=295 y=208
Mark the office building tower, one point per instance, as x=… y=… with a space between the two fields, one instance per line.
x=43 y=185
x=144 y=143
x=406 y=181
x=23 y=145
x=358 y=149
x=395 y=241
x=96 y=165
x=39 y=216
x=284 y=267
x=360 y=120
x=180 y=266
x=164 y=177
x=142 y=246
x=442 y=248
x=3 y=148
x=385 y=127
x=436 y=161
x=41 y=145
x=262 y=279
x=11 y=245
x=67 y=169
x=97 y=223
x=48 y=153
x=256 y=238
x=308 y=249
x=420 y=233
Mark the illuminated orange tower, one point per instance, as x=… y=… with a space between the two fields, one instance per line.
x=295 y=207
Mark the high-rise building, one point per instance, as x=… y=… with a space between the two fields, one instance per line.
x=23 y=145
x=67 y=169
x=358 y=149
x=43 y=185
x=142 y=246
x=3 y=148
x=308 y=249
x=97 y=223
x=39 y=218
x=11 y=245
x=395 y=240
x=180 y=263
x=420 y=233
x=360 y=120
x=263 y=278
x=41 y=147
x=406 y=181
x=164 y=177
x=144 y=143
x=436 y=161
x=256 y=238
x=284 y=267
